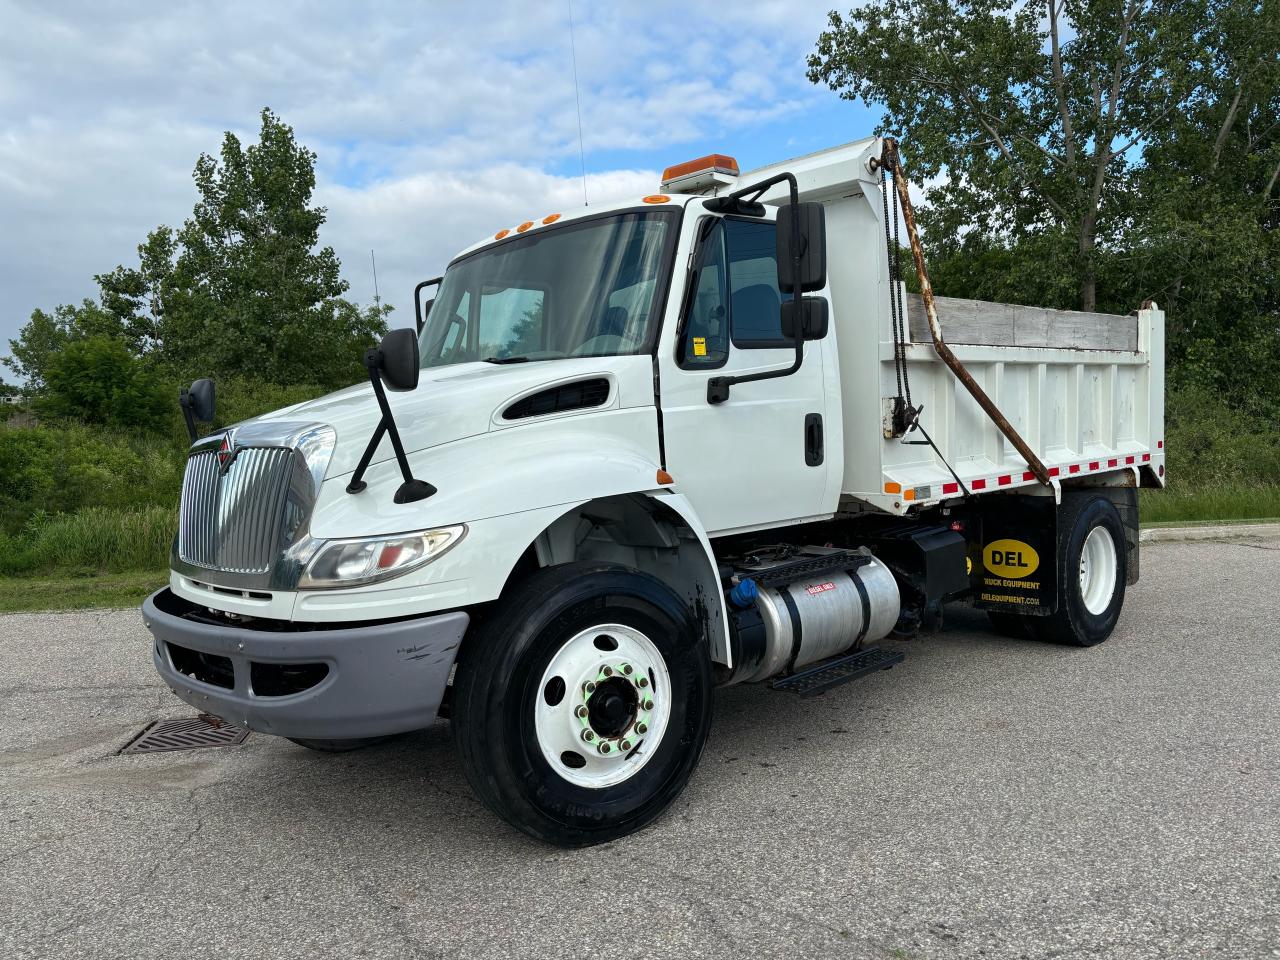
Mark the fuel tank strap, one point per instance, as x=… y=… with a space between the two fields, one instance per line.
x=797 y=628
x=866 y=608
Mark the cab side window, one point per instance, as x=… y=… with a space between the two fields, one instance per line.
x=755 y=305
x=706 y=330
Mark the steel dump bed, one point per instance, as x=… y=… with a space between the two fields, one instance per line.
x=1084 y=390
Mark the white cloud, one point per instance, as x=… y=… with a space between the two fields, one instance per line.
x=434 y=123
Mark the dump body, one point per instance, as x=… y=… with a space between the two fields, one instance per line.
x=1084 y=390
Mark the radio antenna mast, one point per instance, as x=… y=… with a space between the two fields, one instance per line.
x=577 y=98
x=376 y=299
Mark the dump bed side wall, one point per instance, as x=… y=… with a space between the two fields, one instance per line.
x=1085 y=390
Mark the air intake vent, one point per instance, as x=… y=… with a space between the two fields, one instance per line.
x=569 y=396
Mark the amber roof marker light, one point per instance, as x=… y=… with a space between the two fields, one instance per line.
x=716 y=169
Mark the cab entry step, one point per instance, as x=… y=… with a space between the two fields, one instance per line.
x=831 y=673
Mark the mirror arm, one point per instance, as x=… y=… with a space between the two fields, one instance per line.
x=411 y=490
x=184 y=401
x=417 y=300
x=718 y=387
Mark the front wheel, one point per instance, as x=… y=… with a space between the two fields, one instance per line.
x=582 y=704
x=1091 y=573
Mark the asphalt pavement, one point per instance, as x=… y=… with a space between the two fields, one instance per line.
x=987 y=798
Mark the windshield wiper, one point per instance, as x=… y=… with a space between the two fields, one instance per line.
x=506 y=359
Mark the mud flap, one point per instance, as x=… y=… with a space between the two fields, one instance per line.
x=1013 y=562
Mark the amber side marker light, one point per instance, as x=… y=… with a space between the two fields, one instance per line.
x=656 y=198
x=500 y=234
x=665 y=478
x=524 y=226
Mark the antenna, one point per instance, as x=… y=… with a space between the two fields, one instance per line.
x=577 y=98
x=376 y=299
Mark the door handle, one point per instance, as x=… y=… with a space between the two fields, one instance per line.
x=813 y=439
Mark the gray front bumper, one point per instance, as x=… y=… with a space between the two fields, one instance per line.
x=382 y=678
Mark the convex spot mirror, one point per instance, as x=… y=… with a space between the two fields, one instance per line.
x=813 y=318
x=200 y=400
x=396 y=359
x=812 y=222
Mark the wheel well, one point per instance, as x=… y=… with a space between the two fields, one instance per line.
x=640 y=532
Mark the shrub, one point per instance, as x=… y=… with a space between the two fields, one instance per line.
x=98 y=380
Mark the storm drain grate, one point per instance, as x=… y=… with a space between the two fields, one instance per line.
x=189 y=733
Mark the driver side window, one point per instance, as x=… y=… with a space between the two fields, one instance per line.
x=705 y=342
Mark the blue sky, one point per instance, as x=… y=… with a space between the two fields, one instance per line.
x=435 y=123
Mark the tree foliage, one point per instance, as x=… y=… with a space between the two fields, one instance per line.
x=1091 y=155
x=97 y=379
x=240 y=289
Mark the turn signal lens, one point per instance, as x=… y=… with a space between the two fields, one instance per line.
x=349 y=563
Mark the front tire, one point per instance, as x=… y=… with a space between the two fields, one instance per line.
x=582 y=703
x=1091 y=573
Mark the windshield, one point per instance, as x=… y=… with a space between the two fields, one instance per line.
x=584 y=289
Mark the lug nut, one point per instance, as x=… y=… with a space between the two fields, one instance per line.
x=588 y=735
x=642 y=727
x=589 y=686
x=605 y=746
x=643 y=681
x=648 y=704
x=607 y=671
x=582 y=711
x=627 y=670
x=625 y=745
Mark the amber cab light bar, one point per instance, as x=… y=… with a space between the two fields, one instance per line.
x=715 y=168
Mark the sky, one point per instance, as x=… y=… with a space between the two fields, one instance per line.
x=435 y=123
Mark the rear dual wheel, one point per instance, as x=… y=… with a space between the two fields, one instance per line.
x=581 y=705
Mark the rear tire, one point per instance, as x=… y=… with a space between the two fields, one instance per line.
x=1091 y=573
x=523 y=708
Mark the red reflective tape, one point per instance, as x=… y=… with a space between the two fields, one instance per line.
x=1054 y=471
x=1160 y=444
x=1074 y=468
x=979 y=485
x=950 y=488
x=1128 y=459
x=1113 y=463
x=1028 y=475
x=1146 y=457
x=1005 y=480
x=1094 y=465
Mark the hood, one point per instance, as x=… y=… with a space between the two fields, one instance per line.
x=450 y=403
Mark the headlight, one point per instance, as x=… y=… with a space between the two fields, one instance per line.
x=349 y=563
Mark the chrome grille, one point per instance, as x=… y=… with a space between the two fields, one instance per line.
x=232 y=521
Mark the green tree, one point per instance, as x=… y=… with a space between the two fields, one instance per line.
x=47 y=334
x=1093 y=155
x=1030 y=116
x=239 y=290
x=97 y=379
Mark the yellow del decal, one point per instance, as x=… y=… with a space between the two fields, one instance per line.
x=1011 y=559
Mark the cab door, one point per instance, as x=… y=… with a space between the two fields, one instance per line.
x=759 y=458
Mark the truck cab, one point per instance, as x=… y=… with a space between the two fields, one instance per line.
x=635 y=452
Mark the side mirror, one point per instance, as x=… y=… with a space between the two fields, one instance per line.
x=813 y=318
x=201 y=396
x=396 y=359
x=812 y=222
x=426 y=312
x=197 y=403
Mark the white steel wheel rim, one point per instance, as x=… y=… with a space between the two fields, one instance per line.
x=1099 y=569
x=595 y=667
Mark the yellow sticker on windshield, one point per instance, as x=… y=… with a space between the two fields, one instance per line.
x=699 y=346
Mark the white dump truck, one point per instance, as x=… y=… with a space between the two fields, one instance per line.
x=641 y=450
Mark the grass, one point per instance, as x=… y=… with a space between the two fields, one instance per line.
x=1210 y=505
x=66 y=591
x=98 y=539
